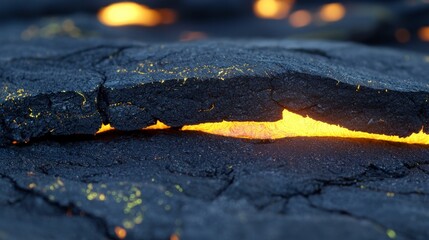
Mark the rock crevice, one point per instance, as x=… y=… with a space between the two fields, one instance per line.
x=56 y=91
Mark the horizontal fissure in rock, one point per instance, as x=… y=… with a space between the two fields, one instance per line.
x=360 y=88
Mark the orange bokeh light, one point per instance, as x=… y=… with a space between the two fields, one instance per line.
x=130 y=13
x=332 y=12
x=300 y=18
x=174 y=237
x=192 y=36
x=424 y=33
x=120 y=232
x=402 y=35
x=272 y=9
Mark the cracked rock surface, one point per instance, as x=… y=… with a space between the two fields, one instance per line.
x=69 y=87
x=156 y=184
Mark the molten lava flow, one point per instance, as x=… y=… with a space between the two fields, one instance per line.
x=105 y=128
x=157 y=126
x=130 y=13
x=291 y=125
x=294 y=125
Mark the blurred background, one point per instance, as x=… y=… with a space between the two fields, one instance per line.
x=400 y=24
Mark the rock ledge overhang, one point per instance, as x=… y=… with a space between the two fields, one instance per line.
x=66 y=87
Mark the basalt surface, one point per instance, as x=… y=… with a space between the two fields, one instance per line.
x=185 y=185
x=188 y=185
x=71 y=87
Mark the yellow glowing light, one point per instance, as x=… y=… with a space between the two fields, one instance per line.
x=120 y=232
x=130 y=13
x=332 y=12
x=105 y=128
x=391 y=233
x=424 y=34
x=300 y=18
x=157 y=126
x=102 y=197
x=291 y=125
x=295 y=125
x=272 y=9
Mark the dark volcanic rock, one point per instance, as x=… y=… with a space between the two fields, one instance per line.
x=70 y=87
x=156 y=184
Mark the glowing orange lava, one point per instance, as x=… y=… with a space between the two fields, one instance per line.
x=272 y=9
x=105 y=128
x=158 y=126
x=130 y=13
x=294 y=125
x=291 y=125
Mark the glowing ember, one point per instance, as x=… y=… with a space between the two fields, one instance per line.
x=104 y=128
x=174 y=237
x=158 y=125
x=120 y=232
x=294 y=125
x=424 y=34
x=130 y=13
x=272 y=9
x=300 y=18
x=332 y=12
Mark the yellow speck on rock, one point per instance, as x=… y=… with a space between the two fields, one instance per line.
x=178 y=188
x=391 y=233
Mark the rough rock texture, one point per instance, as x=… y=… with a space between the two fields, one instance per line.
x=66 y=87
x=158 y=184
